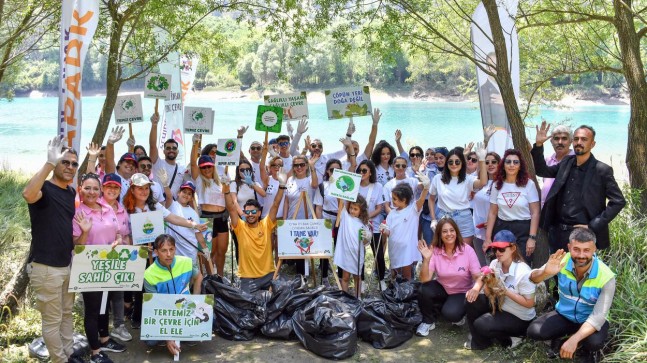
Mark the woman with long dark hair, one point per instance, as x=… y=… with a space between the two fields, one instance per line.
x=374 y=196
x=383 y=156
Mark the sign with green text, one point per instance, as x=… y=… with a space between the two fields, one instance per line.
x=303 y=237
x=128 y=109
x=228 y=152
x=102 y=268
x=348 y=102
x=146 y=226
x=269 y=118
x=294 y=105
x=157 y=85
x=177 y=317
x=344 y=185
x=198 y=120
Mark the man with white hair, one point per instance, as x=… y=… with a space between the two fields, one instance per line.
x=561 y=138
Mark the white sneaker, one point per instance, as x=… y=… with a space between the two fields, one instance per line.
x=121 y=333
x=515 y=342
x=362 y=287
x=383 y=285
x=461 y=322
x=424 y=329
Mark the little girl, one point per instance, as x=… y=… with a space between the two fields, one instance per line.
x=402 y=226
x=353 y=229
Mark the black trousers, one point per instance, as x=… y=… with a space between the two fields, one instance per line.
x=487 y=328
x=521 y=231
x=434 y=301
x=558 y=238
x=555 y=326
x=95 y=324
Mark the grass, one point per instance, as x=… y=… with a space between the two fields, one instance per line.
x=14 y=224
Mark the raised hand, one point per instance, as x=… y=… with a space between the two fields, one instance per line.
x=398 y=135
x=487 y=134
x=376 y=115
x=351 y=127
x=225 y=180
x=55 y=150
x=555 y=264
x=308 y=144
x=93 y=150
x=196 y=138
x=542 y=133
x=313 y=160
x=468 y=148
x=425 y=251
x=162 y=176
x=302 y=127
x=348 y=144
x=423 y=179
x=131 y=141
x=290 y=129
x=84 y=223
x=481 y=152
x=155 y=118
x=247 y=178
x=116 y=134
x=282 y=177
x=242 y=130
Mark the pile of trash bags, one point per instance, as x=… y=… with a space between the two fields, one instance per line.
x=327 y=322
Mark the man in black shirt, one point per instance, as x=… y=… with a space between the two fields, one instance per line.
x=579 y=194
x=51 y=210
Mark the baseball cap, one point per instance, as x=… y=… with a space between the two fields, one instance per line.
x=129 y=156
x=188 y=185
x=273 y=141
x=503 y=238
x=205 y=160
x=113 y=179
x=140 y=180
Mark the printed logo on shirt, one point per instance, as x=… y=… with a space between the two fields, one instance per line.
x=461 y=269
x=511 y=198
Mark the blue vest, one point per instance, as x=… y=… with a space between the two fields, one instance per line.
x=173 y=281
x=576 y=305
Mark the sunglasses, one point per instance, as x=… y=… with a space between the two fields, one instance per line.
x=454 y=162
x=474 y=160
x=510 y=161
x=364 y=171
x=400 y=166
x=244 y=169
x=276 y=165
x=415 y=155
x=146 y=166
x=284 y=143
x=500 y=249
x=171 y=148
x=300 y=165
x=253 y=212
x=316 y=146
x=492 y=162
x=67 y=163
x=255 y=148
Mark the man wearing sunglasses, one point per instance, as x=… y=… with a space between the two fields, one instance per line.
x=175 y=171
x=254 y=234
x=51 y=210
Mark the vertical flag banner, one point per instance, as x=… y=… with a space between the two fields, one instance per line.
x=79 y=19
x=492 y=108
x=188 y=66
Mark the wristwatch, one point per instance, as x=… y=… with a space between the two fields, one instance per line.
x=533 y=236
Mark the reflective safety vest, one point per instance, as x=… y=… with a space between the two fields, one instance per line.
x=577 y=304
x=175 y=280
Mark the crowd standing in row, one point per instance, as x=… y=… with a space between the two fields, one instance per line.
x=443 y=208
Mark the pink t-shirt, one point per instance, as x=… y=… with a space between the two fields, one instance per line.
x=104 y=225
x=123 y=220
x=455 y=274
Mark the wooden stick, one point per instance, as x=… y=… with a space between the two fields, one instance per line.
x=130 y=129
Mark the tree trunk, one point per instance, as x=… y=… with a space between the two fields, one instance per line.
x=633 y=68
x=14 y=291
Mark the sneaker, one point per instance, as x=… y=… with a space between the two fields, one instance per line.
x=555 y=346
x=101 y=357
x=75 y=359
x=461 y=322
x=515 y=342
x=121 y=333
x=111 y=346
x=326 y=282
x=467 y=345
x=383 y=285
x=424 y=329
x=362 y=287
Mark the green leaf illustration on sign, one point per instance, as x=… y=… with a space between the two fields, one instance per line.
x=143 y=252
x=328 y=224
x=269 y=118
x=157 y=83
x=209 y=300
x=148 y=296
x=280 y=223
x=78 y=249
x=345 y=183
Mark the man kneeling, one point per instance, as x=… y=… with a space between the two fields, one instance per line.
x=586 y=288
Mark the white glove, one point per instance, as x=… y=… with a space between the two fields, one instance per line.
x=162 y=176
x=480 y=151
x=116 y=134
x=290 y=129
x=351 y=128
x=302 y=127
x=365 y=235
x=196 y=138
x=272 y=152
x=242 y=130
x=225 y=179
x=282 y=178
x=131 y=141
x=383 y=227
x=423 y=179
x=55 y=150
x=433 y=225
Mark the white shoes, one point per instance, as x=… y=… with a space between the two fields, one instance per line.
x=461 y=322
x=121 y=333
x=515 y=342
x=424 y=329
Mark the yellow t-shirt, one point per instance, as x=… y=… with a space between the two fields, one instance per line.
x=255 y=248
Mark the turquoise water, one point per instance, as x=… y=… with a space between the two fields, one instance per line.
x=27 y=124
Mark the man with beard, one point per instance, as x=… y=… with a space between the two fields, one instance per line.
x=586 y=288
x=578 y=178
x=174 y=171
x=561 y=140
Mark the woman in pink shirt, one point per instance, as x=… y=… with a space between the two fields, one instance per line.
x=456 y=267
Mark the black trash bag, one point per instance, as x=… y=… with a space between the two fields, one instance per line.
x=401 y=291
x=387 y=325
x=237 y=314
x=288 y=296
x=327 y=328
x=38 y=350
x=354 y=303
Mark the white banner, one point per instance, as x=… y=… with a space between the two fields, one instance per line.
x=102 y=268
x=228 y=152
x=348 y=102
x=146 y=226
x=303 y=237
x=295 y=105
x=198 y=120
x=79 y=19
x=345 y=185
x=188 y=66
x=177 y=317
x=492 y=108
x=128 y=109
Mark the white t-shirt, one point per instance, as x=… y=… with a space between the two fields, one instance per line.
x=170 y=170
x=270 y=194
x=516 y=280
x=158 y=206
x=243 y=194
x=345 y=164
x=185 y=241
x=453 y=196
x=481 y=208
x=348 y=243
x=328 y=202
x=413 y=183
x=257 y=177
x=403 y=239
x=125 y=185
x=376 y=198
x=320 y=165
x=287 y=163
x=384 y=175
x=158 y=192
x=513 y=201
x=293 y=193
x=209 y=195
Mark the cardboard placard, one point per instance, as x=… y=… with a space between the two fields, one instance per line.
x=295 y=105
x=146 y=226
x=198 y=120
x=228 y=152
x=100 y=268
x=157 y=85
x=303 y=237
x=345 y=185
x=347 y=102
x=177 y=317
x=269 y=118
x=128 y=109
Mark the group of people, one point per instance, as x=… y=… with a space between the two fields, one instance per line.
x=443 y=209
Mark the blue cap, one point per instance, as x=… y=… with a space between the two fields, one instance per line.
x=503 y=238
x=112 y=178
x=205 y=160
x=188 y=185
